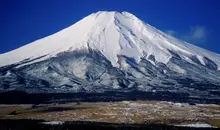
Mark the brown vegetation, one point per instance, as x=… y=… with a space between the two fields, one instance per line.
x=139 y=112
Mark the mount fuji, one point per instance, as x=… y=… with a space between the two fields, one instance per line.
x=111 y=51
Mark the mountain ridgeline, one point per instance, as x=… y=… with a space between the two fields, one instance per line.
x=111 y=51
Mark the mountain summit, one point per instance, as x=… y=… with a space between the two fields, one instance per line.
x=111 y=51
x=112 y=34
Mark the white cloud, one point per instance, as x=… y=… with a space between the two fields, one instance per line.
x=196 y=34
x=171 y=32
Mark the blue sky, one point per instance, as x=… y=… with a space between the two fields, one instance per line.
x=195 y=21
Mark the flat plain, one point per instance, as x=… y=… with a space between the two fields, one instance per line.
x=126 y=112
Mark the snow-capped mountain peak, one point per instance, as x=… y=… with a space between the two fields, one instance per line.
x=112 y=34
x=112 y=51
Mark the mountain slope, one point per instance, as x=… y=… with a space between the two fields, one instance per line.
x=111 y=51
x=111 y=33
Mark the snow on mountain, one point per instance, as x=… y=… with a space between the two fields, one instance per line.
x=112 y=51
x=111 y=33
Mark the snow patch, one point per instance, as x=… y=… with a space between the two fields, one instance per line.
x=197 y=125
x=200 y=58
x=177 y=69
x=53 y=123
x=181 y=104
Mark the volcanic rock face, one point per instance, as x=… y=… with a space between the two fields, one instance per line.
x=111 y=51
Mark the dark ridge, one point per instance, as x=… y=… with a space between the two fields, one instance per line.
x=210 y=64
x=19 y=97
x=195 y=59
x=9 y=67
x=30 y=60
x=26 y=124
x=176 y=55
x=152 y=58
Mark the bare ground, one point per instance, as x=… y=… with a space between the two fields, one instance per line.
x=129 y=112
